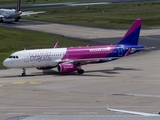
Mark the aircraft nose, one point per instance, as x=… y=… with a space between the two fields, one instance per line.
x=6 y=63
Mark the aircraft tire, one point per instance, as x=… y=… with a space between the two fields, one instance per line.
x=80 y=71
x=23 y=74
x=1 y=20
x=16 y=19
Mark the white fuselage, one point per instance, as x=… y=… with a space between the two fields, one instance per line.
x=9 y=13
x=35 y=58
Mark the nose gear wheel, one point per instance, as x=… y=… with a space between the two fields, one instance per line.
x=24 y=72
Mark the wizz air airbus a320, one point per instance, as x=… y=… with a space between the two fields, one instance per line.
x=16 y=14
x=71 y=59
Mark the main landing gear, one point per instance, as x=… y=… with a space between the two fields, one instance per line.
x=17 y=18
x=24 y=72
x=79 y=70
x=1 y=19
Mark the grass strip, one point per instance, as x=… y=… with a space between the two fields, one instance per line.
x=108 y=16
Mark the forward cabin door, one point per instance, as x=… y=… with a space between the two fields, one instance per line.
x=26 y=57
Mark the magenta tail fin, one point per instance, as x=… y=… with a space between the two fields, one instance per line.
x=132 y=35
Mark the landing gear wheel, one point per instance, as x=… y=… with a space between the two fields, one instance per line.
x=17 y=18
x=80 y=71
x=23 y=74
x=1 y=19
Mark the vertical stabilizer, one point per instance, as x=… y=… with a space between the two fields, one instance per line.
x=18 y=6
x=132 y=35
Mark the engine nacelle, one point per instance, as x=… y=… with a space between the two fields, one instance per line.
x=66 y=68
x=44 y=68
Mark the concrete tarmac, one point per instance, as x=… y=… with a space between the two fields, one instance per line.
x=130 y=83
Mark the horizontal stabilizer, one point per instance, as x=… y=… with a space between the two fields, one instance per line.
x=143 y=49
x=150 y=48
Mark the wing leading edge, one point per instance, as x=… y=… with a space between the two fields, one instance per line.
x=84 y=61
x=31 y=13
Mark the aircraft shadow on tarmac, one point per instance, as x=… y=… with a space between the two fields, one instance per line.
x=108 y=73
x=113 y=71
x=87 y=73
x=9 y=22
x=22 y=22
x=13 y=76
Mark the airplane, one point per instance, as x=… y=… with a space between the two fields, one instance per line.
x=15 y=13
x=133 y=112
x=71 y=59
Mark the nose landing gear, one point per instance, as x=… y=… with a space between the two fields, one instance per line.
x=24 y=72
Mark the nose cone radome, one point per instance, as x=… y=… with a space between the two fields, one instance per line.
x=6 y=63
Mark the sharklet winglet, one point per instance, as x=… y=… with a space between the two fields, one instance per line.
x=56 y=45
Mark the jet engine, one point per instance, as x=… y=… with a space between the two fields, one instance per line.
x=66 y=67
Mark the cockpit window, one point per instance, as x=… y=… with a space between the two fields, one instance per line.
x=13 y=57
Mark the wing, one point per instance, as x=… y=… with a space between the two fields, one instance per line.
x=132 y=112
x=88 y=61
x=31 y=13
x=1 y=16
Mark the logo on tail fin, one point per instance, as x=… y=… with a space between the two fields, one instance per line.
x=18 y=6
x=132 y=35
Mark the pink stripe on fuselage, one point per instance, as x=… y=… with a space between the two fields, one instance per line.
x=74 y=53
x=133 y=27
